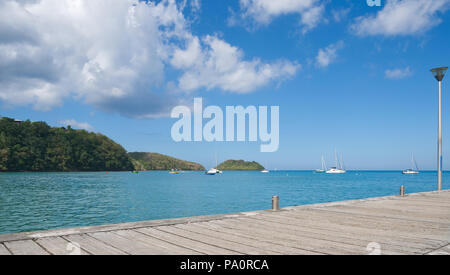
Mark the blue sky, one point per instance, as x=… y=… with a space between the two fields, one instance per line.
x=345 y=75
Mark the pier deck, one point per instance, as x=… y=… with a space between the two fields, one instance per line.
x=415 y=224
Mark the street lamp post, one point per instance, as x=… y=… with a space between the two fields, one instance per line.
x=439 y=74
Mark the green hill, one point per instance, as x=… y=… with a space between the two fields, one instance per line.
x=35 y=146
x=240 y=165
x=154 y=161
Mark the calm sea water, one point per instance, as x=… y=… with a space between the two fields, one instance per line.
x=38 y=201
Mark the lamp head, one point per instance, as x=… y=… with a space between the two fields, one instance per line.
x=439 y=73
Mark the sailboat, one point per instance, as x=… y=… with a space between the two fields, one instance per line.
x=265 y=170
x=414 y=170
x=339 y=169
x=324 y=167
x=214 y=171
x=217 y=164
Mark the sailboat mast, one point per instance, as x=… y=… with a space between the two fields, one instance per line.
x=336 y=158
x=216 y=160
x=414 y=163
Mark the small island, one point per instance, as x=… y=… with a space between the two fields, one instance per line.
x=240 y=165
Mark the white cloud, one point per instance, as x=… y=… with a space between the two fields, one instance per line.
x=402 y=17
x=77 y=125
x=114 y=56
x=196 y=5
x=213 y=63
x=262 y=12
x=328 y=55
x=339 y=15
x=398 y=73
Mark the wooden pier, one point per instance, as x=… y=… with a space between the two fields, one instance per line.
x=415 y=224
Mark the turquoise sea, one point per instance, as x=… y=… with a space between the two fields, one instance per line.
x=39 y=201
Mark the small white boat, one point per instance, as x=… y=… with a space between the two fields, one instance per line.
x=335 y=170
x=410 y=172
x=212 y=172
x=339 y=169
x=324 y=167
x=414 y=170
x=265 y=171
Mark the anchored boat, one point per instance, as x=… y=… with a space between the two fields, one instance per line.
x=414 y=170
x=174 y=172
x=324 y=167
x=212 y=172
x=339 y=169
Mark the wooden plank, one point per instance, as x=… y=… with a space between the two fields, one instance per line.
x=168 y=247
x=26 y=247
x=424 y=201
x=427 y=230
x=280 y=247
x=433 y=215
x=248 y=239
x=107 y=228
x=293 y=240
x=3 y=250
x=93 y=246
x=435 y=195
x=396 y=205
x=60 y=246
x=226 y=241
x=404 y=208
x=235 y=247
x=372 y=226
x=352 y=232
x=441 y=251
x=126 y=245
x=350 y=239
x=185 y=242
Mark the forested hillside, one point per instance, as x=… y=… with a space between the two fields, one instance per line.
x=35 y=146
x=154 y=161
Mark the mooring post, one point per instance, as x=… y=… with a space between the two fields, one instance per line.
x=402 y=191
x=275 y=203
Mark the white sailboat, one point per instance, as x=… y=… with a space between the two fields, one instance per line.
x=214 y=171
x=217 y=164
x=324 y=167
x=339 y=169
x=265 y=170
x=414 y=170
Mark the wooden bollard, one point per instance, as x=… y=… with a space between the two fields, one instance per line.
x=402 y=191
x=275 y=203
